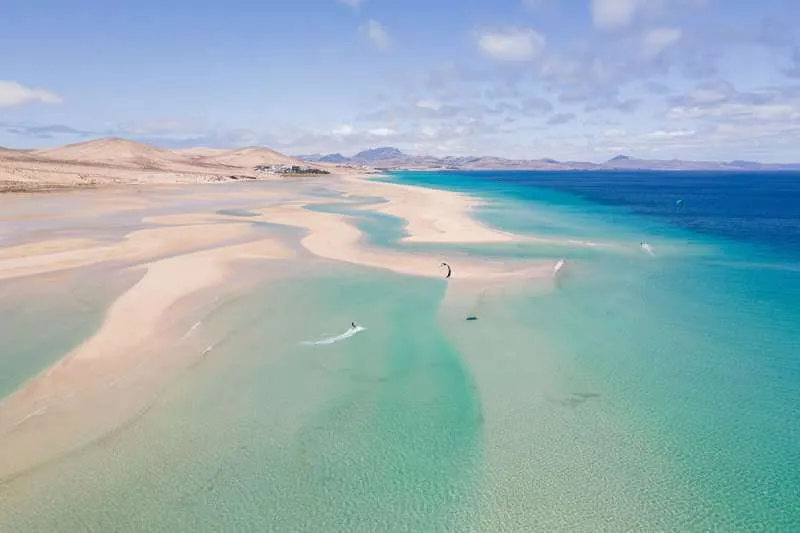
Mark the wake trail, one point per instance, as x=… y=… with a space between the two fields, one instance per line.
x=331 y=340
x=191 y=330
x=558 y=267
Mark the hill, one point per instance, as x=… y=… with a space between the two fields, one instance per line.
x=11 y=154
x=119 y=161
x=250 y=157
x=200 y=151
x=114 y=152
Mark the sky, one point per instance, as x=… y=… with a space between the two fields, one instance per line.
x=565 y=79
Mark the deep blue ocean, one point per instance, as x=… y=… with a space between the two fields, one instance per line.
x=761 y=208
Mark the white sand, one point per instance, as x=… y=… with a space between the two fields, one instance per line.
x=45 y=418
x=48 y=256
x=188 y=253
x=331 y=236
x=433 y=215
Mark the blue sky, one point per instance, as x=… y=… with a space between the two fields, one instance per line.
x=569 y=79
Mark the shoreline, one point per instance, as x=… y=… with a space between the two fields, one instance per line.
x=184 y=253
x=432 y=215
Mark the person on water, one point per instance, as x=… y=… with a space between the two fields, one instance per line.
x=353 y=325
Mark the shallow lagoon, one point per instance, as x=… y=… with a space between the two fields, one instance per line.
x=611 y=400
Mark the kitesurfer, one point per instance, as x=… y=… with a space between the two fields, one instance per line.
x=449 y=270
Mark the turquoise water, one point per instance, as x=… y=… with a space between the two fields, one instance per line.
x=381 y=433
x=636 y=394
x=698 y=346
x=379 y=229
x=45 y=318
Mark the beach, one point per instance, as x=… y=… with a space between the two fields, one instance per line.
x=177 y=256
x=181 y=358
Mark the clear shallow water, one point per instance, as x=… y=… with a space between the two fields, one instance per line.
x=381 y=432
x=46 y=317
x=379 y=229
x=698 y=345
x=641 y=393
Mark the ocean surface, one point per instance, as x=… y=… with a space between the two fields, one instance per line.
x=641 y=392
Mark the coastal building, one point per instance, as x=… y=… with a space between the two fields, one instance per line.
x=289 y=169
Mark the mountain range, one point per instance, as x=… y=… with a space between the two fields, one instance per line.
x=387 y=157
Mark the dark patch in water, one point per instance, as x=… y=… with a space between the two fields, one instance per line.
x=238 y=213
x=575 y=399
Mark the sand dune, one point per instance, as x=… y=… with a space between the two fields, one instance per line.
x=114 y=152
x=200 y=151
x=252 y=156
x=119 y=162
x=11 y=154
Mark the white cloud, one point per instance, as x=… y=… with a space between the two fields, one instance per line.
x=614 y=14
x=13 y=94
x=673 y=134
x=721 y=102
x=512 y=44
x=433 y=105
x=562 y=69
x=377 y=33
x=382 y=132
x=429 y=131
x=738 y=111
x=614 y=132
x=711 y=93
x=656 y=40
x=344 y=129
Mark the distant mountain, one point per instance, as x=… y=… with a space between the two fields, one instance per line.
x=382 y=153
x=308 y=157
x=333 y=158
x=386 y=157
x=630 y=163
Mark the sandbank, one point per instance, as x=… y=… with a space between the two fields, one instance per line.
x=95 y=387
x=331 y=236
x=48 y=417
x=48 y=256
x=432 y=215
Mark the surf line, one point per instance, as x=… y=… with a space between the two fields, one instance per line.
x=331 y=340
